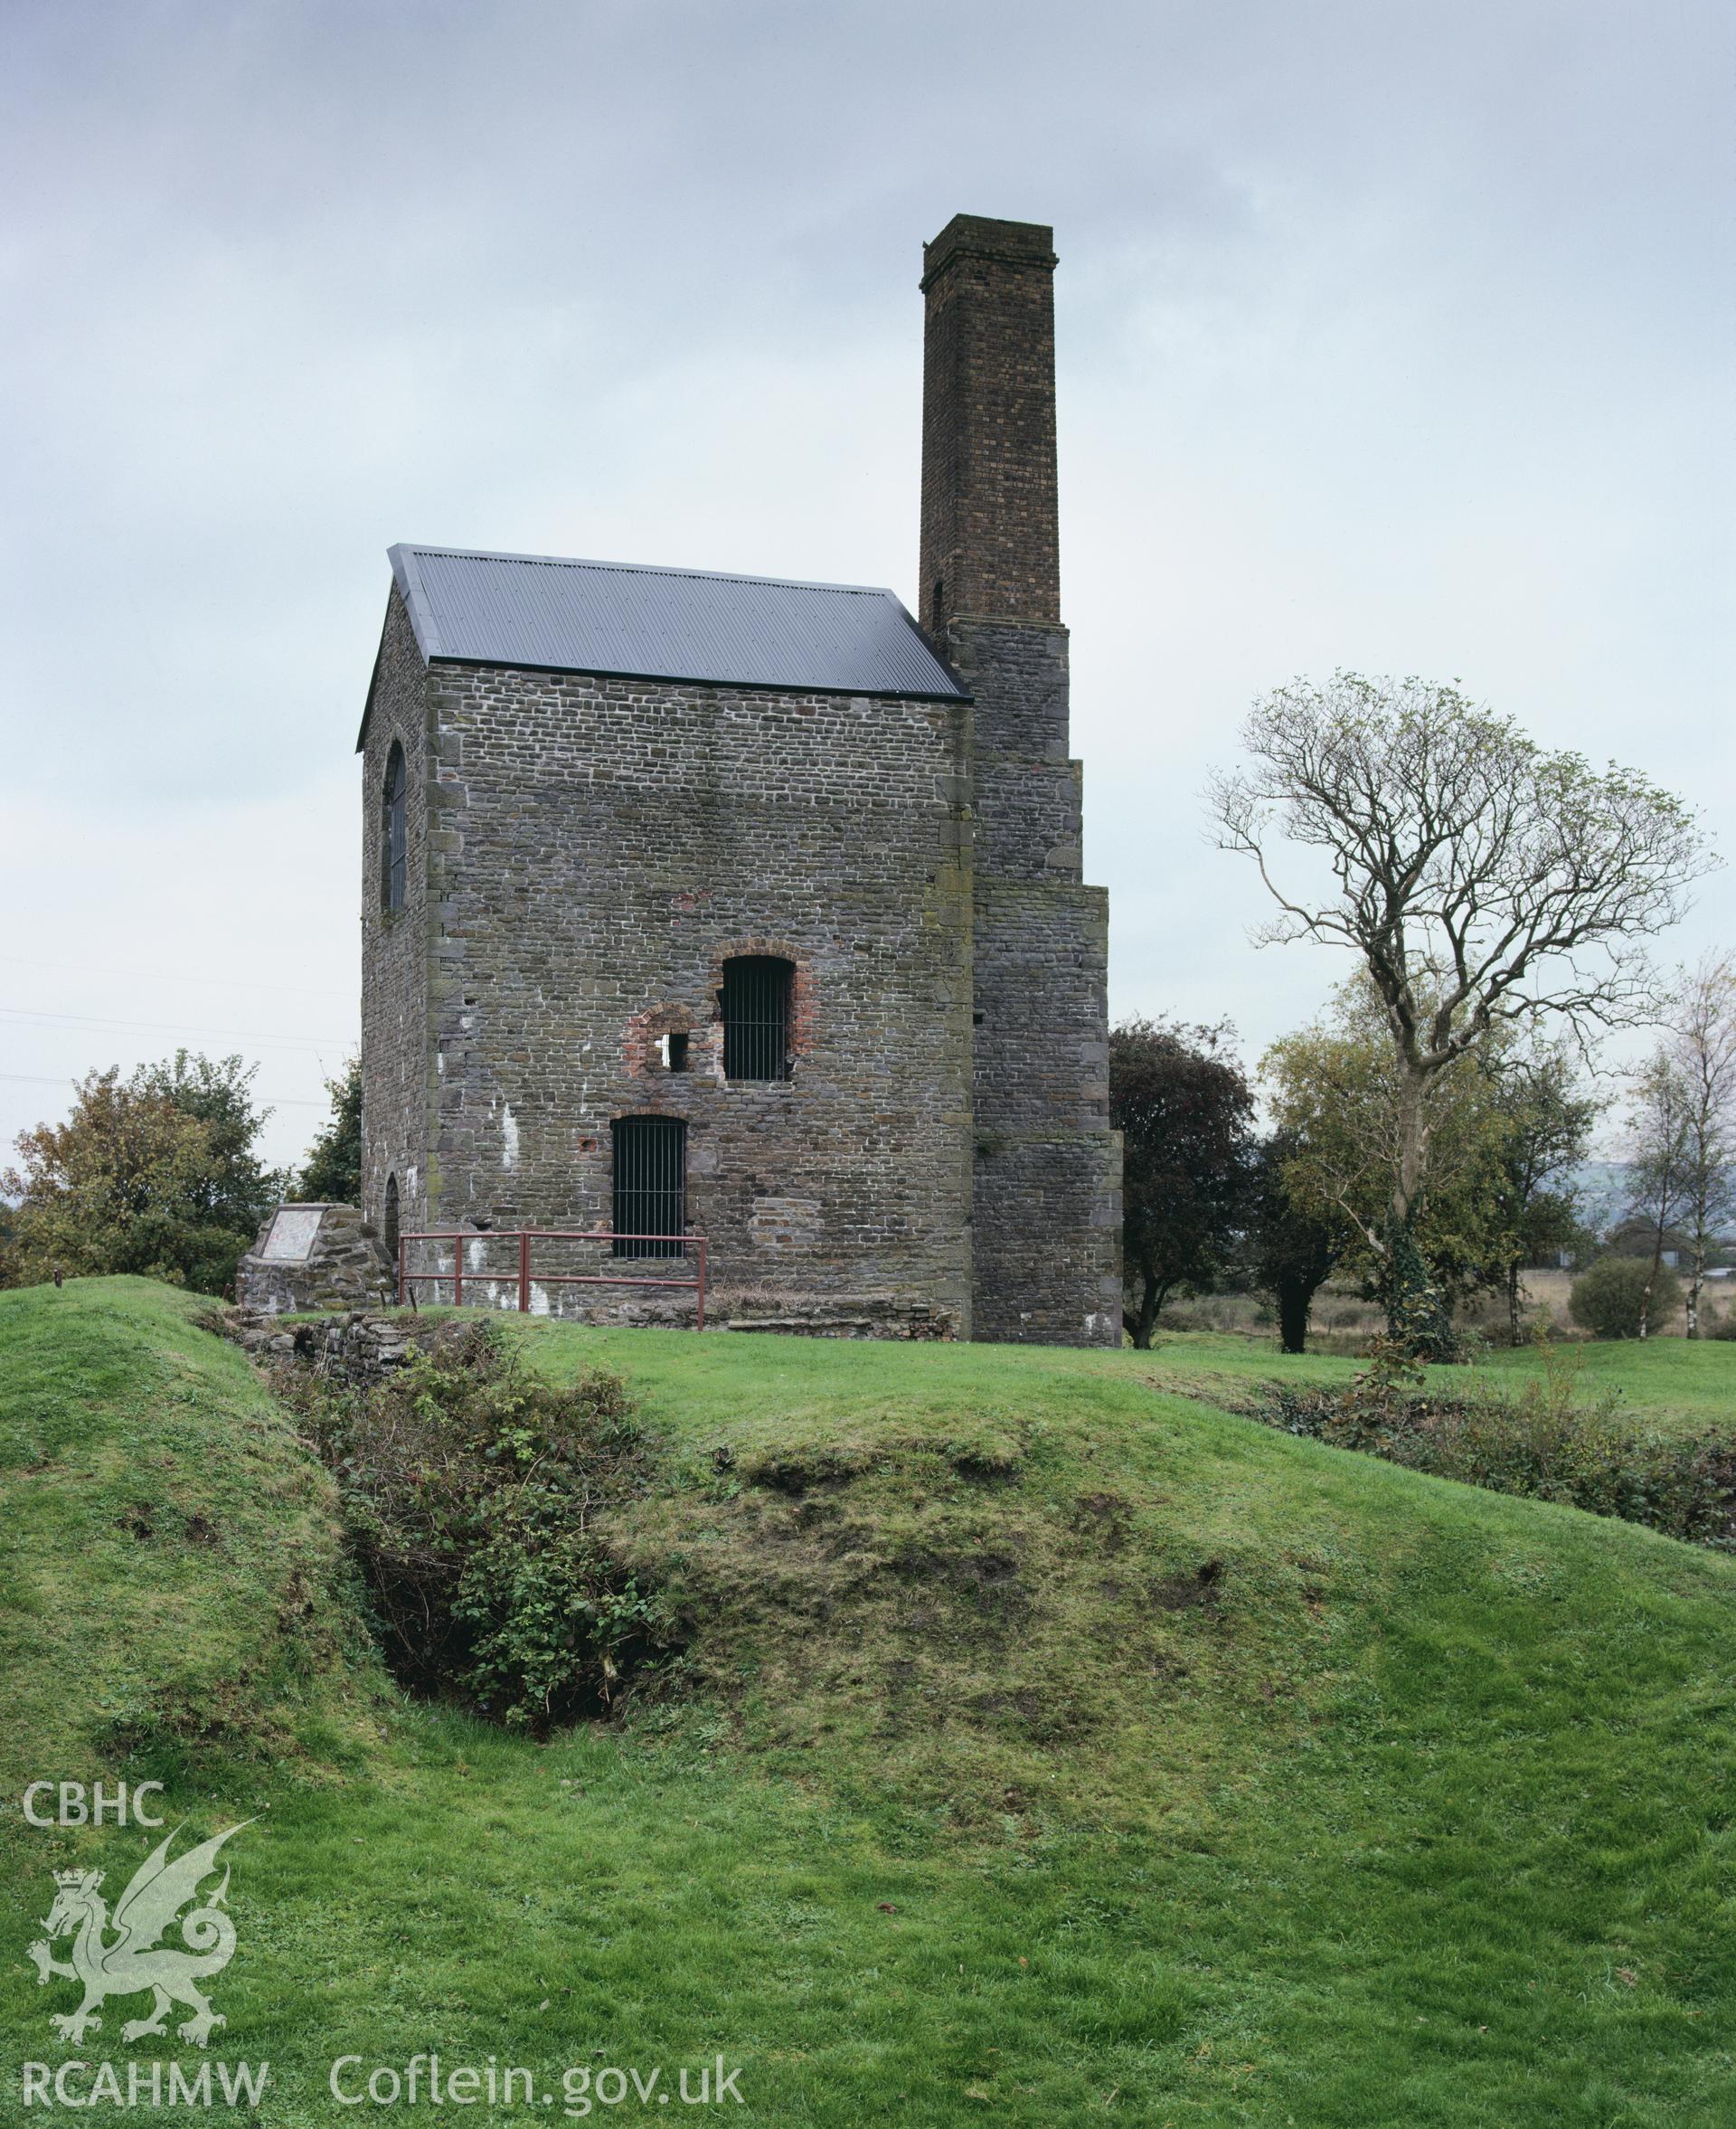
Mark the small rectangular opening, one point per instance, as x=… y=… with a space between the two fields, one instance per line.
x=675 y=1051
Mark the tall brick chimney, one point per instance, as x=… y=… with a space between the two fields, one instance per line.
x=991 y=547
x=1046 y=1170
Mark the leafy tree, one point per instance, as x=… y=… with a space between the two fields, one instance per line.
x=1337 y=1098
x=1292 y=1252
x=220 y=1093
x=333 y=1175
x=1548 y=1117
x=1481 y=882
x=153 y=1174
x=115 y=1189
x=1181 y=1101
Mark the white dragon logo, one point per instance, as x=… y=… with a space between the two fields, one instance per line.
x=134 y=1960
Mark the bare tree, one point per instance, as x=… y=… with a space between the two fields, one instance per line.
x=1702 y=1053
x=1482 y=881
x=1657 y=1161
x=1548 y=1114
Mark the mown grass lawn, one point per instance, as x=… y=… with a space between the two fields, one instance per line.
x=1050 y=1748
x=1672 y=1384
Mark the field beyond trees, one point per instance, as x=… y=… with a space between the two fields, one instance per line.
x=1049 y=1746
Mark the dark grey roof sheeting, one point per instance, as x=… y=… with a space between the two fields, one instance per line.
x=665 y=624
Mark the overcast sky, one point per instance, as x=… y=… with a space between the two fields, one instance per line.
x=1395 y=336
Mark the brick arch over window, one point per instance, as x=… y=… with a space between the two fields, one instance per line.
x=394 y=830
x=754 y=981
x=756 y=997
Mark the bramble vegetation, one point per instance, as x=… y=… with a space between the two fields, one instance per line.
x=475 y=1500
x=1552 y=1438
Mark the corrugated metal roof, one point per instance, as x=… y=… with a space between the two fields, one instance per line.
x=665 y=624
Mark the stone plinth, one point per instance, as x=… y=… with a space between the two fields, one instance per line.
x=314 y=1256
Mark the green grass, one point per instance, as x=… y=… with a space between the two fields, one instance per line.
x=1668 y=1384
x=1665 y=1381
x=1052 y=1749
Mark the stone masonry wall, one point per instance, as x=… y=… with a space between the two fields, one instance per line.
x=1047 y=1191
x=344 y=1268
x=397 y=950
x=592 y=850
x=584 y=853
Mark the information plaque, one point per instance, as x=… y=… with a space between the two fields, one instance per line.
x=291 y=1239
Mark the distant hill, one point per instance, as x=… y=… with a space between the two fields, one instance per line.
x=1605 y=1189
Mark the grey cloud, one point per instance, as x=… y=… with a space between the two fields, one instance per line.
x=1389 y=336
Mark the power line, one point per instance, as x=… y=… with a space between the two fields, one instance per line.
x=19 y=961
x=304 y=1041
x=38 y=1079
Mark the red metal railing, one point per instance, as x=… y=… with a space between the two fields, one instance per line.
x=524 y=1236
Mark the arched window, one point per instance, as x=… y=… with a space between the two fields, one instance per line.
x=756 y=1016
x=391 y=1217
x=394 y=831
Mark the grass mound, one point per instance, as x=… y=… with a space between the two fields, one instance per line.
x=173 y=1591
x=1050 y=1747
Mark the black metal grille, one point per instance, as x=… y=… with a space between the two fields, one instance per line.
x=650 y=1186
x=391 y=1214
x=393 y=832
x=756 y=1016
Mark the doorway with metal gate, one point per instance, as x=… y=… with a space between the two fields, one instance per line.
x=650 y=1197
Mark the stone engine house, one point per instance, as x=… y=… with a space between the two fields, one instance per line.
x=713 y=904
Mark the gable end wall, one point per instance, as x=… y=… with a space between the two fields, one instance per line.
x=397 y=950
x=587 y=852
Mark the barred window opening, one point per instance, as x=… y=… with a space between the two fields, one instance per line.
x=392 y=1215
x=650 y=1186
x=756 y=1016
x=394 y=831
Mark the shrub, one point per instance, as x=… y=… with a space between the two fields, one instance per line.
x=154 y=1174
x=472 y=1496
x=1550 y=1442
x=1605 y=1299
